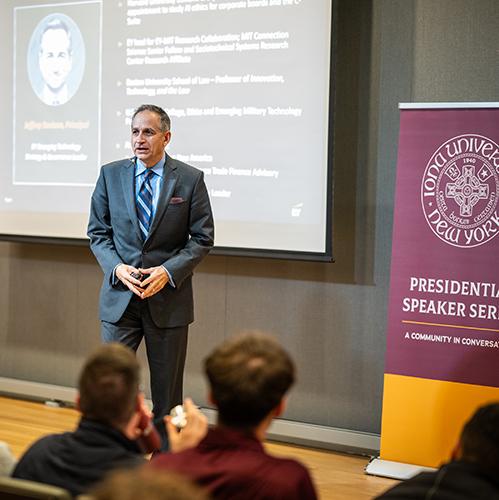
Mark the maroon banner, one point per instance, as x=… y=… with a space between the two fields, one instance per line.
x=443 y=321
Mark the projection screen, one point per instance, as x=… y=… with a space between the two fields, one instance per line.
x=245 y=82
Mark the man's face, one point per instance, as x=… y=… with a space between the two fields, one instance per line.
x=148 y=142
x=55 y=58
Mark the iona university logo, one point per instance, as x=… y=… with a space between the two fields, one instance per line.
x=459 y=191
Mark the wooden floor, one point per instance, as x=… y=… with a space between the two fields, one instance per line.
x=336 y=475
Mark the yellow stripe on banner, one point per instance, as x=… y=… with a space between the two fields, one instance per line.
x=422 y=418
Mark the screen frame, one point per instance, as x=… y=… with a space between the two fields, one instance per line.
x=326 y=256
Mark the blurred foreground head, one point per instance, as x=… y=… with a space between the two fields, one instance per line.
x=479 y=442
x=147 y=484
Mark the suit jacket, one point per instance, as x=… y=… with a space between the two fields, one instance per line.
x=180 y=235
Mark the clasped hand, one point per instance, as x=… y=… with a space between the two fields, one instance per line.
x=153 y=279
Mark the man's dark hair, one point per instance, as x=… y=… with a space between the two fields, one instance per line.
x=163 y=116
x=109 y=384
x=56 y=23
x=248 y=375
x=480 y=438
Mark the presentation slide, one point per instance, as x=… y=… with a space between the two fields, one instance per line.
x=246 y=84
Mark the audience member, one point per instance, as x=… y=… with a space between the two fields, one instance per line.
x=147 y=484
x=248 y=377
x=7 y=460
x=472 y=473
x=113 y=418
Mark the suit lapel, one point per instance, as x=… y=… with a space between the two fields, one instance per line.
x=128 y=185
x=165 y=195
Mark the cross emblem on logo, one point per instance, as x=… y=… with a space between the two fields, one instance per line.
x=467 y=190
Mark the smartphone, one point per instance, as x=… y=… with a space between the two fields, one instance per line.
x=139 y=276
x=179 y=419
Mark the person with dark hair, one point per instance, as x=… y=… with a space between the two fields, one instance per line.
x=147 y=484
x=150 y=225
x=113 y=419
x=249 y=377
x=472 y=473
x=55 y=60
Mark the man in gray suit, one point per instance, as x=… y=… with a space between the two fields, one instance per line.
x=150 y=225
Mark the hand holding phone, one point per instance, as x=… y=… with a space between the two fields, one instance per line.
x=178 y=417
x=186 y=427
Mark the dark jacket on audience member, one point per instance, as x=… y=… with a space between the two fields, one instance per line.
x=77 y=460
x=457 y=480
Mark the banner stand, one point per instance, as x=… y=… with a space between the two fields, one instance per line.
x=442 y=348
x=393 y=470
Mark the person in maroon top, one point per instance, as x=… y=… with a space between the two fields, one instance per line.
x=249 y=377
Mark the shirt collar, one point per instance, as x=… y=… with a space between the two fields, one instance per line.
x=157 y=169
x=224 y=437
x=87 y=425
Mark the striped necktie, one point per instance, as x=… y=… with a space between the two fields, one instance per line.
x=144 y=204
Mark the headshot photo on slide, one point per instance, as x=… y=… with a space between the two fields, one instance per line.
x=56 y=59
